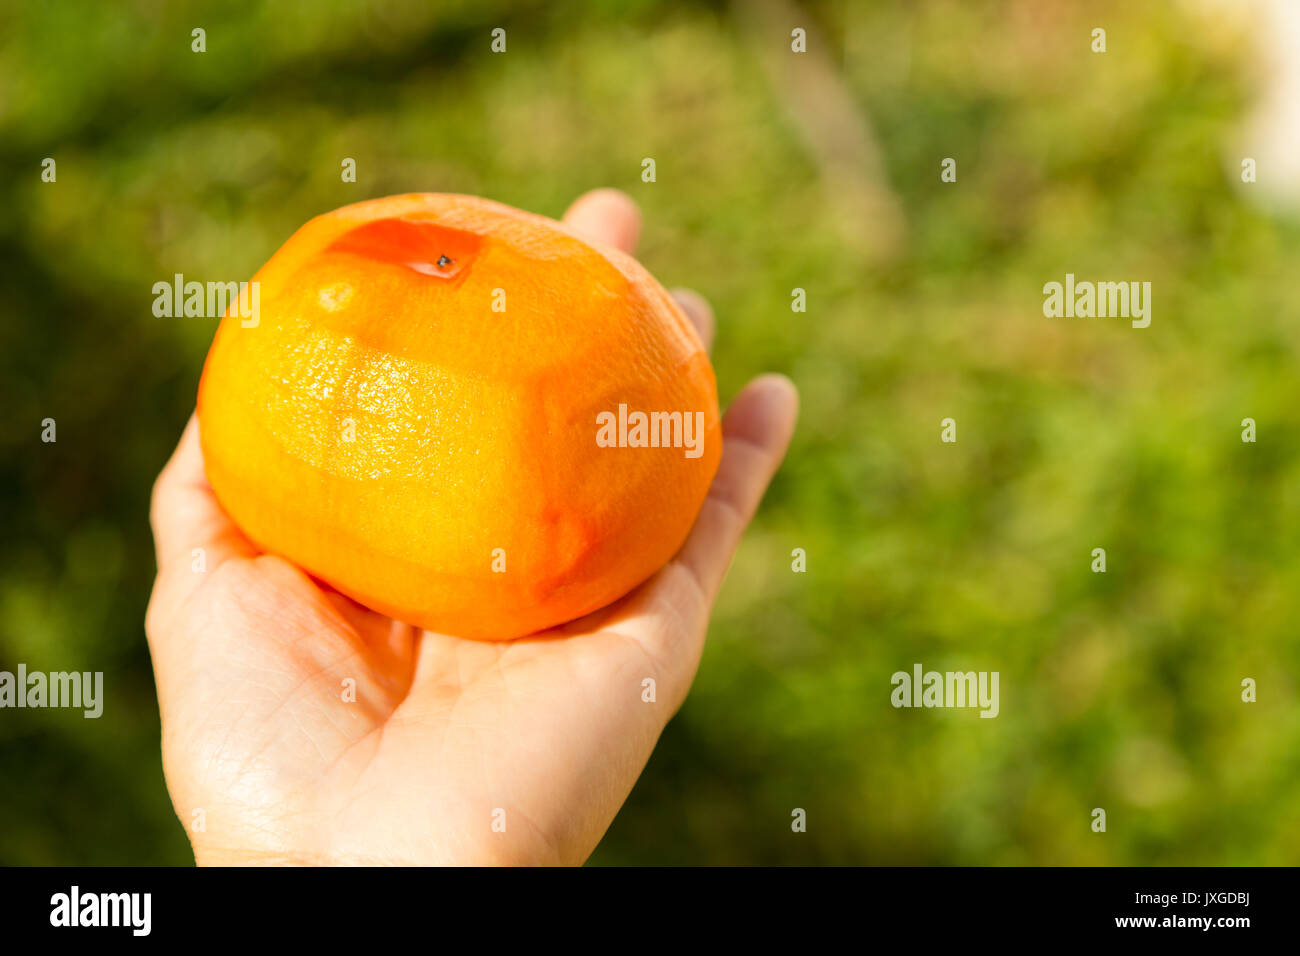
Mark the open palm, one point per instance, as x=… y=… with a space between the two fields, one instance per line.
x=299 y=726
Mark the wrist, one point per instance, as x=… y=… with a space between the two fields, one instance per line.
x=226 y=856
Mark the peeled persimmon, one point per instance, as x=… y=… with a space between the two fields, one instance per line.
x=461 y=415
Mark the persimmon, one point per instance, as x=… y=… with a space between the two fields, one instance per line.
x=461 y=415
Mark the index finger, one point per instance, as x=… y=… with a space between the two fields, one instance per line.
x=607 y=216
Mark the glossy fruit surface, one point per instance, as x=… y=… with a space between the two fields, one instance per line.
x=435 y=412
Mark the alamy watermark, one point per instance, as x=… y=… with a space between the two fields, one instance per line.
x=626 y=429
x=1084 y=300
x=210 y=300
x=56 y=689
x=923 y=688
x=130 y=910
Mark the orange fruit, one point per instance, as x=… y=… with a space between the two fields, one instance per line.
x=461 y=415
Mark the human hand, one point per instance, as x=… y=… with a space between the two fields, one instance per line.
x=442 y=741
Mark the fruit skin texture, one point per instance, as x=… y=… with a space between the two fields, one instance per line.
x=387 y=431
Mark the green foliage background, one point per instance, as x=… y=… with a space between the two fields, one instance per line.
x=1119 y=690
